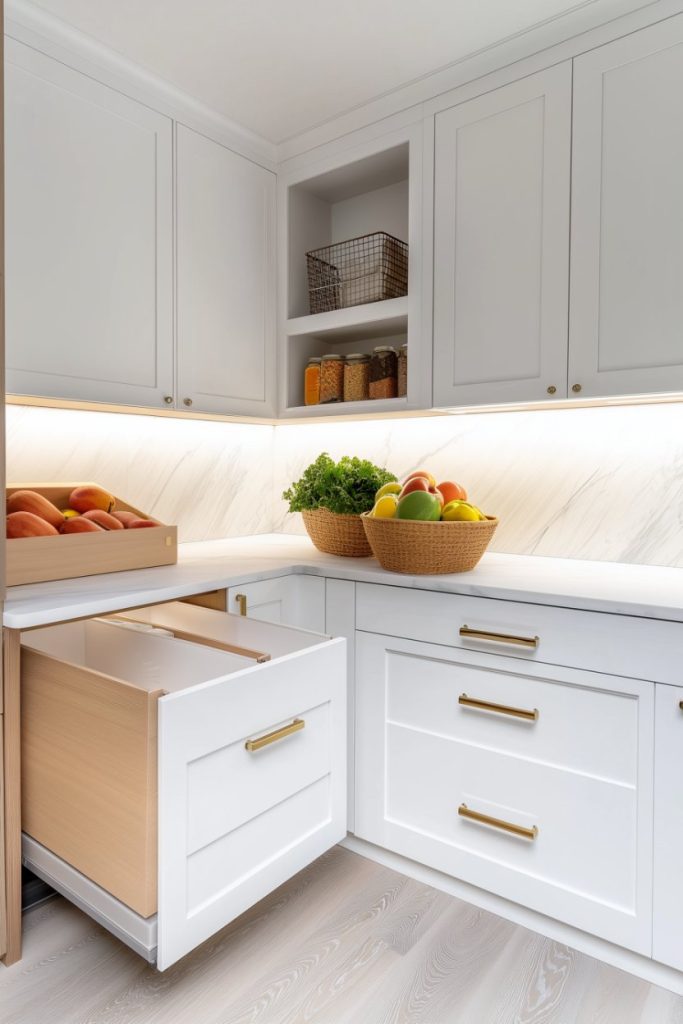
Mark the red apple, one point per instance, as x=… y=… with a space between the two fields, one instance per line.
x=452 y=491
x=416 y=483
x=424 y=473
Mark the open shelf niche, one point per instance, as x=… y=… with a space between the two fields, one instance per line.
x=368 y=195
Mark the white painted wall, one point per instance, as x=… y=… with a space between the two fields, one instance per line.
x=603 y=484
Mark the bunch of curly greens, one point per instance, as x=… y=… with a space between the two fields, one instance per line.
x=347 y=487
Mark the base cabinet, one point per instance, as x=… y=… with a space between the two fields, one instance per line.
x=667 y=936
x=497 y=772
x=232 y=735
x=293 y=600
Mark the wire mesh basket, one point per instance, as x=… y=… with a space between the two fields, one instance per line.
x=365 y=269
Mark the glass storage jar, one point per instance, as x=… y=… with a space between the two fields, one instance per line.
x=403 y=371
x=312 y=381
x=356 y=377
x=332 y=378
x=383 y=372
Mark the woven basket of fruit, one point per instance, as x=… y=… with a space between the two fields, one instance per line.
x=331 y=497
x=425 y=528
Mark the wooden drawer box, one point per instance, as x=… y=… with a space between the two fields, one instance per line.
x=424 y=763
x=39 y=559
x=618 y=644
x=125 y=723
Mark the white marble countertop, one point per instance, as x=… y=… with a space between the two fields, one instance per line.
x=649 y=591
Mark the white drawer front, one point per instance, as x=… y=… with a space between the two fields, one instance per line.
x=618 y=644
x=575 y=725
x=294 y=600
x=667 y=939
x=234 y=824
x=590 y=863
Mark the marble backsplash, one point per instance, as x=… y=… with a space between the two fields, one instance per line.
x=602 y=484
x=212 y=479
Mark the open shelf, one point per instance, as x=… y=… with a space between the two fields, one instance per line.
x=373 y=320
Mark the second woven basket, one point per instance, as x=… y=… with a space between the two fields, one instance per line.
x=422 y=548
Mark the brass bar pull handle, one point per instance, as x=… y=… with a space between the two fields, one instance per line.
x=241 y=600
x=680 y=704
x=499 y=709
x=273 y=737
x=501 y=638
x=506 y=826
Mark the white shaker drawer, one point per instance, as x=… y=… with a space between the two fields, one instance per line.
x=572 y=836
x=618 y=644
x=242 y=756
x=546 y=713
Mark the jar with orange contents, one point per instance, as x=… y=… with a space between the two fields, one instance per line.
x=312 y=381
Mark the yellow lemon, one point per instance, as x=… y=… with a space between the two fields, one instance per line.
x=69 y=513
x=461 y=512
x=393 y=487
x=385 y=508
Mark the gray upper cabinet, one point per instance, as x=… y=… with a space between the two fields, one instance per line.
x=626 y=315
x=89 y=252
x=225 y=279
x=501 y=238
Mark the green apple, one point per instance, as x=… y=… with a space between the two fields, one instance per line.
x=419 y=505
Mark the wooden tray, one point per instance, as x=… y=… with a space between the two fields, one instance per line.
x=38 y=559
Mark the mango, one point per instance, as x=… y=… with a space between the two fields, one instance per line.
x=27 y=524
x=37 y=505
x=139 y=524
x=125 y=518
x=103 y=519
x=88 y=497
x=80 y=525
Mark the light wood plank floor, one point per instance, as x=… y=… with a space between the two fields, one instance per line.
x=345 y=942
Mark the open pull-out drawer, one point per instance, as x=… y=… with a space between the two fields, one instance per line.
x=179 y=764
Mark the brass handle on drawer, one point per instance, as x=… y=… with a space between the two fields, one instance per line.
x=507 y=826
x=273 y=737
x=241 y=600
x=680 y=704
x=501 y=638
x=500 y=709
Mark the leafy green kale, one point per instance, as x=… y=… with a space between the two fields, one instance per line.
x=348 y=486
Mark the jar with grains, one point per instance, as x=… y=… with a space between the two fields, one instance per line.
x=403 y=371
x=332 y=379
x=383 y=372
x=312 y=381
x=356 y=377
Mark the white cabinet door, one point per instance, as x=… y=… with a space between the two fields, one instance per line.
x=501 y=238
x=667 y=935
x=448 y=738
x=626 y=312
x=293 y=600
x=88 y=238
x=225 y=279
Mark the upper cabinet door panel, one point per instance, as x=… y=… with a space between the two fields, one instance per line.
x=88 y=237
x=226 y=278
x=626 y=317
x=501 y=239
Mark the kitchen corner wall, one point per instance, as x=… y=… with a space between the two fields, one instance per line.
x=601 y=484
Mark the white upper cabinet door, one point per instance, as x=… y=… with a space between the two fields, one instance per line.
x=89 y=230
x=626 y=312
x=501 y=243
x=225 y=279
